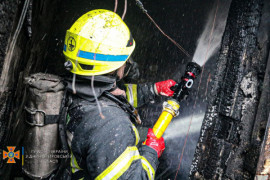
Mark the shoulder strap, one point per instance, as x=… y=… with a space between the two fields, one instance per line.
x=125 y=105
x=64 y=162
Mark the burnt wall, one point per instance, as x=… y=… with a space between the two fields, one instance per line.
x=227 y=148
x=8 y=11
x=7 y=14
x=25 y=57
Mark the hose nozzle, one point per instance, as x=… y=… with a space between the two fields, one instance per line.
x=171 y=107
x=182 y=88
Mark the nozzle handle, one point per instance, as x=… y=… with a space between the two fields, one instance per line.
x=182 y=89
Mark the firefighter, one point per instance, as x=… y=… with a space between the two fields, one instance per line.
x=102 y=138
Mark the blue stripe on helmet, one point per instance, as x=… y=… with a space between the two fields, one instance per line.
x=101 y=57
x=65 y=47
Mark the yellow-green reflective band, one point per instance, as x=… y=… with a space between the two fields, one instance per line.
x=136 y=157
x=132 y=94
x=136 y=134
x=148 y=168
x=121 y=164
x=128 y=93
x=74 y=165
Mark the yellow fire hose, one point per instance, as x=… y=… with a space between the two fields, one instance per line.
x=170 y=110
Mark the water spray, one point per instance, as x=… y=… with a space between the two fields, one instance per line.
x=181 y=91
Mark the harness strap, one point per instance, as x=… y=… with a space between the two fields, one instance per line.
x=125 y=105
x=36 y=117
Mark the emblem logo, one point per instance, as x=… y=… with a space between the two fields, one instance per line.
x=71 y=43
x=11 y=155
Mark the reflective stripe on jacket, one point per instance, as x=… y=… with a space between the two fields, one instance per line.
x=140 y=94
x=106 y=148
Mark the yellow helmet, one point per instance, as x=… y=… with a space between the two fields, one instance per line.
x=99 y=42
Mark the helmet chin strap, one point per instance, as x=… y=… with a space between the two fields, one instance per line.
x=74 y=78
x=73 y=83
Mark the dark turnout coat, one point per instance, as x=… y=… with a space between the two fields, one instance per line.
x=107 y=147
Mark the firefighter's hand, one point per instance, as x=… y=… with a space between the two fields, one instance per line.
x=157 y=144
x=164 y=87
x=118 y=92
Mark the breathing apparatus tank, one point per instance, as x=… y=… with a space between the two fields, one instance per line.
x=42 y=111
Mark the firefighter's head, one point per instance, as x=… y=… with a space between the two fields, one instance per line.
x=99 y=42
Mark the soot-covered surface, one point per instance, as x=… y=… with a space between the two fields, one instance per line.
x=230 y=139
